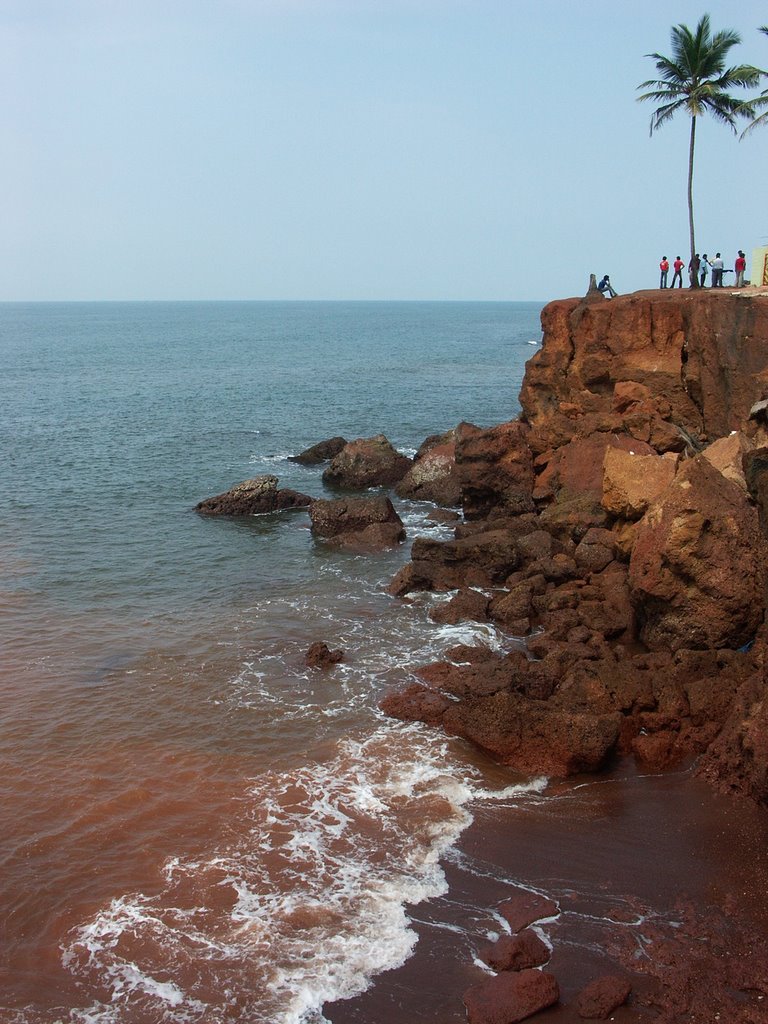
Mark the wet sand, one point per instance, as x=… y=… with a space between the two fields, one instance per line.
x=657 y=878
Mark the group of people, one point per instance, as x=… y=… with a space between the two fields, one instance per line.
x=698 y=271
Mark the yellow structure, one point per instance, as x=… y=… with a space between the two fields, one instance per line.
x=759 y=266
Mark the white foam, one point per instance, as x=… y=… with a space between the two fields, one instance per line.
x=304 y=904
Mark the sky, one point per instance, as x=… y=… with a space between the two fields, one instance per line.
x=356 y=149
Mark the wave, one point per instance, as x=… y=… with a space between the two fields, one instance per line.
x=302 y=904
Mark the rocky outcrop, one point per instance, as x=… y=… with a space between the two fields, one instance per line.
x=620 y=525
x=366 y=462
x=495 y=469
x=323 y=451
x=690 y=582
x=433 y=475
x=669 y=369
x=361 y=523
x=253 y=497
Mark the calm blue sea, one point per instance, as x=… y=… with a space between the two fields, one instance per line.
x=195 y=827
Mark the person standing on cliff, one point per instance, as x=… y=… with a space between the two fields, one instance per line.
x=664 y=268
x=678 y=274
x=740 y=266
x=693 y=271
x=717 y=271
x=704 y=271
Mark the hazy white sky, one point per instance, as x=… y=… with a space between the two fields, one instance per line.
x=355 y=149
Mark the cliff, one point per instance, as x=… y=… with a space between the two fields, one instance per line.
x=620 y=525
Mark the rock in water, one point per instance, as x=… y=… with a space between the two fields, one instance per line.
x=368 y=523
x=253 y=497
x=367 y=462
x=319 y=655
x=323 y=451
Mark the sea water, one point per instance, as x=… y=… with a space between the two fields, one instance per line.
x=194 y=826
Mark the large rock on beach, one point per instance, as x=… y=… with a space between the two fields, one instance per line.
x=365 y=523
x=601 y=997
x=690 y=580
x=323 y=451
x=510 y=997
x=253 y=497
x=516 y=952
x=366 y=462
x=433 y=475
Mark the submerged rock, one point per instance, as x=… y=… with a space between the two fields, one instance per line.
x=253 y=497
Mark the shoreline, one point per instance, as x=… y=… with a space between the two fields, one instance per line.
x=644 y=869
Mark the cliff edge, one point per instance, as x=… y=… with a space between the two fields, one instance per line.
x=619 y=525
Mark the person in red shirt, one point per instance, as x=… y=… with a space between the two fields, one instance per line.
x=678 y=274
x=664 y=268
x=740 y=266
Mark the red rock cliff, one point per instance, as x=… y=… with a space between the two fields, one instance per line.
x=621 y=526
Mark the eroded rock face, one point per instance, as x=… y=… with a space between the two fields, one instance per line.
x=366 y=462
x=495 y=469
x=661 y=368
x=366 y=523
x=632 y=482
x=698 y=566
x=253 y=497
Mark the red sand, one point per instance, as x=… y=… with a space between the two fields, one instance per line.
x=656 y=877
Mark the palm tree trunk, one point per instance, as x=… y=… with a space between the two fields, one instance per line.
x=694 y=279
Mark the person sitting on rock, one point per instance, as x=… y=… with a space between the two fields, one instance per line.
x=605 y=286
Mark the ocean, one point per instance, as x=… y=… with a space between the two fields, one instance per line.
x=196 y=827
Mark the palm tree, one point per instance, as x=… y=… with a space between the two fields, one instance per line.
x=695 y=79
x=758 y=102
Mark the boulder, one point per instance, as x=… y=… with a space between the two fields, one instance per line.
x=319 y=655
x=524 y=907
x=601 y=997
x=727 y=456
x=433 y=476
x=323 y=451
x=632 y=482
x=532 y=737
x=416 y=703
x=480 y=560
x=253 y=497
x=510 y=997
x=465 y=605
x=357 y=522
x=366 y=462
x=690 y=582
x=494 y=469
x=515 y=952
x=577 y=467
